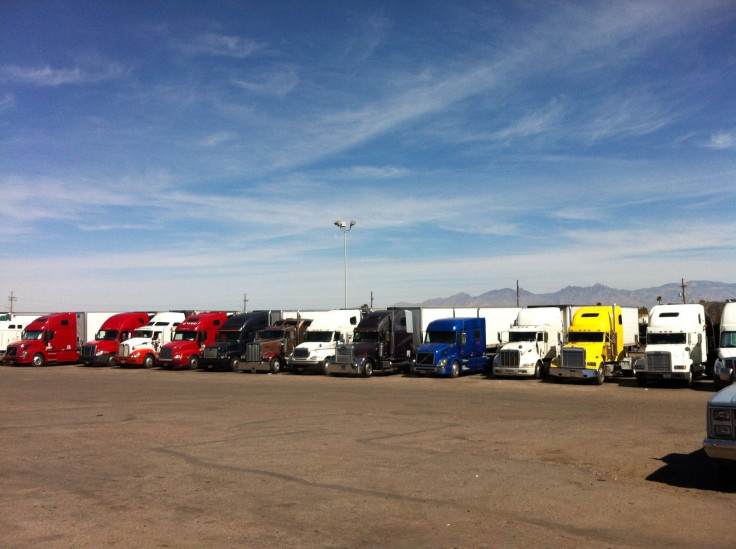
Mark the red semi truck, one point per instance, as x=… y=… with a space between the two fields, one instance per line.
x=48 y=339
x=189 y=340
x=117 y=328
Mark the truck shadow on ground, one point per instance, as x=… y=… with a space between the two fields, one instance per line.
x=704 y=385
x=695 y=470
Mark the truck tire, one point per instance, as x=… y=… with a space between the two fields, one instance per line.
x=234 y=364
x=368 y=368
x=38 y=360
x=275 y=365
x=455 y=369
x=149 y=361
x=538 y=370
x=325 y=370
x=193 y=362
x=689 y=380
x=600 y=375
x=111 y=360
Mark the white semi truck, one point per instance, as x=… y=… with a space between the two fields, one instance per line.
x=142 y=349
x=724 y=370
x=677 y=344
x=534 y=339
x=327 y=330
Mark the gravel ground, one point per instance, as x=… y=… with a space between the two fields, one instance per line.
x=99 y=457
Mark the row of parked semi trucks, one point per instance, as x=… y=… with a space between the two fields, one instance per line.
x=585 y=342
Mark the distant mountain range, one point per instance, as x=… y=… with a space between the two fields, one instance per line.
x=696 y=291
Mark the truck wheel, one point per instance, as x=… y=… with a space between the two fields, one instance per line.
x=276 y=365
x=368 y=369
x=325 y=369
x=111 y=361
x=193 y=362
x=455 y=369
x=600 y=375
x=689 y=380
x=538 y=370
x=149 y=361
x=38 y=360
x=234 y=364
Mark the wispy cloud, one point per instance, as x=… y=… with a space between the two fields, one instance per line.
x=721 y=141
x=47 y=76
x=220 y=45
x=277 y=82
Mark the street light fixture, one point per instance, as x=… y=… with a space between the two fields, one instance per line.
x=343 y=226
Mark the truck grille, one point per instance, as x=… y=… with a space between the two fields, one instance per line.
x=344 y=354
x=253 y=352
x=210 y=352
x=425 y=359
x=12 y=351
x=659 y=362
x=730 y=363
x=88 y=351
x=301 y=353
x=509 y=358
x=573 y=358
x=124 y=350
x=166 y=353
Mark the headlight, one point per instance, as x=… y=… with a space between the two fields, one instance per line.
x=99 y=353
x=134 y=354
x=722 y=430
x=177 y=356
x=720 y=414
x=24 y=354
x=442 y=362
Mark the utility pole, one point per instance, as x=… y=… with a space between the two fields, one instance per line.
x=11 y=299
x=517 y=293
x=683 y=294
x=371 y=300
x=245 y=303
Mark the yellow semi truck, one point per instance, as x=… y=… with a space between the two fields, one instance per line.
x=597 y=345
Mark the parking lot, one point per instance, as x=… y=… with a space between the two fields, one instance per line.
x=100 y=457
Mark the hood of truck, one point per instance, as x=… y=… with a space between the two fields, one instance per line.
x=224 y=346
x=312 y=345
x=24 y=344
x=727 y=352
x=138 y=342
x=179 y=346
x=725 y=397
x=439 y=350
x=522 y=347
x=364 y=349
x=104 y=344
x=593 y=351
x=678 y=352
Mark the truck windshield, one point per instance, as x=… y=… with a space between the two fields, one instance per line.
x=33 y=334
x=440 y=337
x=365 y=337
x=666 y=339
x=585 y=337
x=515 y=337
x=318 y=337
x=271 y=334
x=107 y=335
x=228 y=336
x=728 y=340
x=188 y=335
x=147 y=334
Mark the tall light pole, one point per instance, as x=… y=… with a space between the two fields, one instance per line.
x=344 y=227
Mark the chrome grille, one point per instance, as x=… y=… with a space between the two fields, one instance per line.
x=344 y=354
x=124 y=350
x=253 y=352
x=210 y=352
x=659 y=362
x=425 y=359
x=301 y=353
x=509 y=358
x=573 y=358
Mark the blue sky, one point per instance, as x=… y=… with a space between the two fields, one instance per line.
x=180 y=154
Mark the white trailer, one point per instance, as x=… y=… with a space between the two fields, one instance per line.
x=534 y=340
x=327 y=330
x=677 y=344
x=724 y=370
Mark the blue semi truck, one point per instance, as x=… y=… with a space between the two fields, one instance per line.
x=453 y=346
